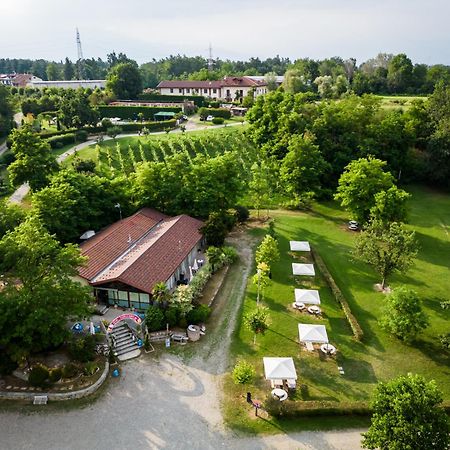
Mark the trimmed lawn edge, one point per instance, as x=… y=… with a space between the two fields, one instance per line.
x=339 y=296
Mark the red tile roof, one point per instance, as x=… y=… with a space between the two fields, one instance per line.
x=226 y=82
x=156 y=250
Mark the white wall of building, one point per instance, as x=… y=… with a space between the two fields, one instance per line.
x=68 y=84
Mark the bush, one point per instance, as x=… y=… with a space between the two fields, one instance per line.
x=7 y=158
x=218 y=120
x=243 y=372
x=38 y=376
x=7 y=365
x=199 y=314
x=215 y=229
x=90 y=368
x=82 y=349
x=242 y=213
x=70 y=370
x=61 y=140
x=155 y=97
x=81 y=136
x=55 y=375
x=171 y=316
x=354 y=325
x=444 y=339
x=113 y=131
x=182 y=322
x=229 y=255
x=215 y=112
x=154 y=318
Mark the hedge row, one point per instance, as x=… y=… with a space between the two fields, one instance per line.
x=197 y=99
x=131 y=112
x=339 y=296
x=215 y=112
x=161 y=125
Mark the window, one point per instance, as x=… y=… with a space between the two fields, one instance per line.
x=171 y=90
x=134 y=300
x=188 y=90
x=214 y=91
x=123 y=299
x=205 y=91
x=144 y=298
x=180 y=91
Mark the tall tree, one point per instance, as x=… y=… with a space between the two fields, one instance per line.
x=257 y=321
x=6 y=111
x=68 y=70
x=41 y=295
x=362 y=179
x=387 y=248
x=11 y=215
x=390 y=205
x=34 y=161
x=400 y=71
x=407 y=415
x=267 y=252
x=124 y=80
x=53 y=72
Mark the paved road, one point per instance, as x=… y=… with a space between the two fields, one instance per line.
x=19 y=194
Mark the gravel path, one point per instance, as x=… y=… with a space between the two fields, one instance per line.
x=164 y=401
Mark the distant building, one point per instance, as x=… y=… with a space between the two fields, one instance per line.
x=68 y=84
x=279 y=79
x=229 y=88
x=127 y=259
x=18 y=79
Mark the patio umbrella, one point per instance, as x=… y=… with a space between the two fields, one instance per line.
x=307 y=296
x=312 y=333
x=92 y=328
x=190 y=272
x=195 y=266
x=279 y=369
x=300 y=246
x=303 y=269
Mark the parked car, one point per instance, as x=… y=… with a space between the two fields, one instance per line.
x=353 y=225
x=209 y=118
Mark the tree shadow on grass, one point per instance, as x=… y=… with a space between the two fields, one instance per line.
x=358 y=370
x=435 y=353
x=440 y=250
x=434 y=303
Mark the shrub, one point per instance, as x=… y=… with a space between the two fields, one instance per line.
x=84 y=165
x=70 y=370
x=55 y=375
x=82 y=349
x=134 y=112
x=215 y=229
x=444 y=339
x=154 y=318
x=215 y=112
x=229 y=255
x=182 y=322
x=171 y=316
x=156 y=97
x=7 y=365
x=218 y=120
x=199 y=314
x=60 y=141
x=113 y=131
x=38 y=376
x=7 y=158
x=243 y=372
x=242 y=213
x=90 y=368
x=81 y=136
x=199 y=281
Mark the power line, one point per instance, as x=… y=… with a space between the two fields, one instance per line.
x=80 y=61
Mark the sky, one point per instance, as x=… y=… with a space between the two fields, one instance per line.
x=236 y=29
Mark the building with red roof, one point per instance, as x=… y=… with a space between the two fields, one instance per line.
x=129 y=257
x=229 y=88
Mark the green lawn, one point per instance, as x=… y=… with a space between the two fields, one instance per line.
x=398 y=102
x=380 y=357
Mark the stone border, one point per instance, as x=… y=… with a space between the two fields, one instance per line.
x=59 y=396
x=227 y=267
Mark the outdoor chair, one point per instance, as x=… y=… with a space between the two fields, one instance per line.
x=310 y=346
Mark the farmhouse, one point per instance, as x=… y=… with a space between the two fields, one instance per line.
x=229 y=88
x=129 y=257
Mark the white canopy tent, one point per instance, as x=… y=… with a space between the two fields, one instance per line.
x=300 y=246
x=312 y=333
x=307 y=296
x=303 y=269
x=279 y=369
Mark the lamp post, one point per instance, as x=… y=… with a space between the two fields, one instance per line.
x=117 y=205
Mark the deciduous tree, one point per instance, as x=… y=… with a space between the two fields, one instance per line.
x=257 y=321
x=124 y=80
x=407 y=415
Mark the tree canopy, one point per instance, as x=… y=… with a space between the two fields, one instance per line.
x=40 y=295
x=124 y=80
x=407 y=415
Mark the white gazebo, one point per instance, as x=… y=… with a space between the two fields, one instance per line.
x=312 y=333
x=307 y=296
x=303 y=269
x=300 y=246
x=279 y=369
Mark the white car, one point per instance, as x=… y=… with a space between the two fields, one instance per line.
x=209 y=118
x=353 y=225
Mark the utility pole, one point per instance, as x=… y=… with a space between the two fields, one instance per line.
x=80 y=62
x=210 y=59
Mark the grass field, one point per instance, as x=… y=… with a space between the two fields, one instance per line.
x=398 y=102
x=379 y=357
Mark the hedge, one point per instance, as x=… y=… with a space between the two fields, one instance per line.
x=131 y=112
x=161 y=125
x=197 y=99
x=339 y=296
x=61 y=140
x=215 y=112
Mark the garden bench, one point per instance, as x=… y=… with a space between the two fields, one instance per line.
x=40 y=400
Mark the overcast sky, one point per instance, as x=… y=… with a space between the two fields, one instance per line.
x=236 y=29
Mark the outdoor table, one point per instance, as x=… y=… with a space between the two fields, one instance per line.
x=328 y=349
x=281 y=394
x=298 y=305
x=314 y=310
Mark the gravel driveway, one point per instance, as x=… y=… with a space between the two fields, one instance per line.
x=163 y=402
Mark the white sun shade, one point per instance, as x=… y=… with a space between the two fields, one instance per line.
x=307 y=296
x=300 y=246
x=303 y=269
x=279 y=369
x=312 y=333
